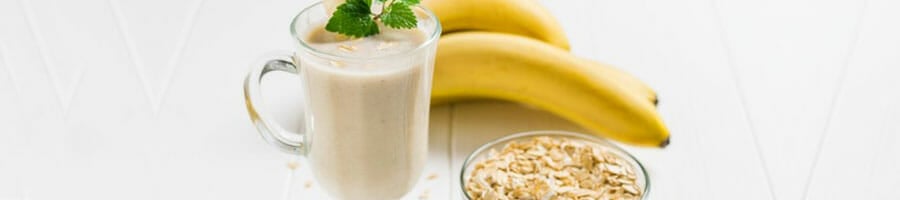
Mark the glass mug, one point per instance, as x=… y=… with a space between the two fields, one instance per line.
x=365 y=129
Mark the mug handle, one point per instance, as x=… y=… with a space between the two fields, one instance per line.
x=273 y=133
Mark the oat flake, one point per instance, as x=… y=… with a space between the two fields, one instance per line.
x=549 y=168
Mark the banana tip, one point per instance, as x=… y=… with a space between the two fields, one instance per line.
x=665 y=143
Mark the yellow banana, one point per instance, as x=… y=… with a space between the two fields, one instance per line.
x=630 y=83
x=521 y=17
x=520 y=69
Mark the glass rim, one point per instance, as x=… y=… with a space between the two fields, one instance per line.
x=485 y=147
x=432 y=38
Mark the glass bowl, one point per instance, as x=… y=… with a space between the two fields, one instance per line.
x=642 y=179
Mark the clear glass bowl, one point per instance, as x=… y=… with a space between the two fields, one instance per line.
x=642 y=179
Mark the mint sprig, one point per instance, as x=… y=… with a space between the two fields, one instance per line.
x=355 y=18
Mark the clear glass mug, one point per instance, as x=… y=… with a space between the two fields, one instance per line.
x=366 y=128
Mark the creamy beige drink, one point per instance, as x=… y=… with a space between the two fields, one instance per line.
x=366 y=127
x=369 y=117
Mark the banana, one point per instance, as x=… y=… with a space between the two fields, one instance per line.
x=521 y=17
x=630 y=83
x=515 y=68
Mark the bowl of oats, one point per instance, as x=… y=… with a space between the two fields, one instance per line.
x=546 y=165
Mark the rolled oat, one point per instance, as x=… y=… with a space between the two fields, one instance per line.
x=551 y=168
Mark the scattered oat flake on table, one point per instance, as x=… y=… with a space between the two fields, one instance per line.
x=307 y=184
x=432 y=176
x=548 y=168
x=425 y=194
x=293 y=165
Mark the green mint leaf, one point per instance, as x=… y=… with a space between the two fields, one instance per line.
x=398 y=15
x=353 y=19
x=409 y=2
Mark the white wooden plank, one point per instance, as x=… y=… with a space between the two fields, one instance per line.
x=859 y=155
x=155 y=59
x=789 y=56
x=12 y=135
x=16 y=67
x=204 y=85
x=435 y=183
x=109 y=146
x=699 y=100
x=63 y=153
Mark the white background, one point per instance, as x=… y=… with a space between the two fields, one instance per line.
x=766 y=99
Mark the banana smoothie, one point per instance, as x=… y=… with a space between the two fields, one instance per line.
x=369 y=105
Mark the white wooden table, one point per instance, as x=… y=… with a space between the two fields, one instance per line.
x=132 y=99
